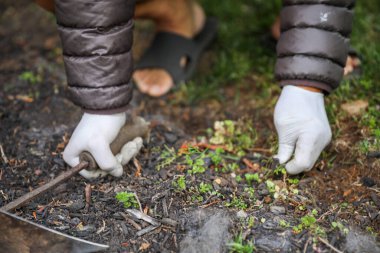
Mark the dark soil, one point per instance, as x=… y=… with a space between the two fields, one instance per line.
x=36 y=121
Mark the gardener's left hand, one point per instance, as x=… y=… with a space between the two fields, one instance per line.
x=302 y=126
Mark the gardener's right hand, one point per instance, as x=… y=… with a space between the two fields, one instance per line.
x=303 y=128
x=94 y=134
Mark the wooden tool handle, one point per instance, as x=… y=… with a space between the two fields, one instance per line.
x=137 y=127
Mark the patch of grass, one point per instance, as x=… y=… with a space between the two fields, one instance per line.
x=241 y=46
x=128 y=199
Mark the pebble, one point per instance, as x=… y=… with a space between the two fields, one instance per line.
x=270 y=225
x=267 y=199
x=75 y=221
x=170 y=137
x=163 y=174
x=85 y=230
x=274 y=242
x=211 y=236
x=277 y=210
x=77 y=205
x=241 y=214
x=221 y=181
x=367 y=181
x=262 y=190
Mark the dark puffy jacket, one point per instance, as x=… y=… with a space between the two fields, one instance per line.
x=97 y=39
x=314 y=42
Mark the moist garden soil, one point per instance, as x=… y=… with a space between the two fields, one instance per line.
x=36 y=121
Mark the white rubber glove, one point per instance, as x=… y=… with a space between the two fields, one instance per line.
x=302 y=125
x=94 y=134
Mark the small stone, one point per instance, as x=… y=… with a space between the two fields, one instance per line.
x=163 y=174
x=263 y=190
x=267 y=200
x=60 y=189
x=241 y=214
x=75 y=221
x=170 y=137
x=367 y=181
x=270 y=225
x=221 y=181
x=77 y=205
x=84 y=230
x=277 y=210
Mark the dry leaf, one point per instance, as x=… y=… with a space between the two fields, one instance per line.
x=355 y=107
x=144 y=246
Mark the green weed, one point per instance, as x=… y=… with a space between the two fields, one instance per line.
x=167 y=157
x=128 y=199
x=239 y=246
x=180 y=183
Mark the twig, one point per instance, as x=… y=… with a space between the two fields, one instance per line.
x=210 y=204
x=138 y=202
x=130 y=221
x=306 y=244
x=142 y=216
x=329 y=245
x=87 y=192
x=102 y=228
x=146 y=230
x=1 y=174
x=326 y=213
x=169 y=222
x=264 y=150
x=138 y=167
x=252 y=166
x=3 y=156
x=165 y=207
x=170 y=203
x=175 y=241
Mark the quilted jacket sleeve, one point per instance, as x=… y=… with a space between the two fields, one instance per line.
x=96 y=39
x=314 y=42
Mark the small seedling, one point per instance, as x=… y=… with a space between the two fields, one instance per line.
x=340 y=226
x=238 y=246
x=205 y=188
x=284 y=224
x=180 y=183
x=128 y=199
x=280 y=170
x=237 y=202
x=250 y=191
x=30 y=77
x=271 y=186
x=309 y=221
x=252 y=177
x=167 y=157
x=293 y=181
